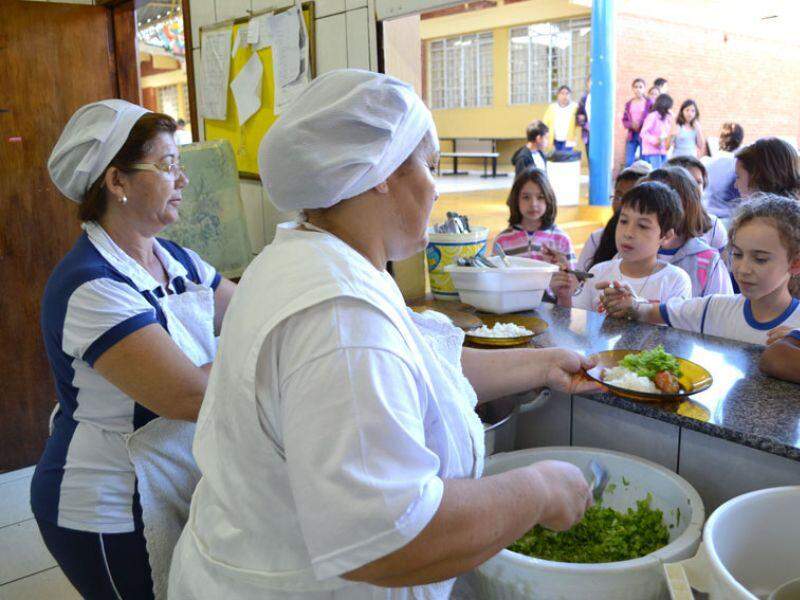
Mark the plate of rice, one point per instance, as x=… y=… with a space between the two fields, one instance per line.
x=505 y=330
x=652 y=375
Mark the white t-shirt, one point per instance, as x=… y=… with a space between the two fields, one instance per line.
x=563 y=120
x=725 y=316
x=331 y=418
x=668 y=282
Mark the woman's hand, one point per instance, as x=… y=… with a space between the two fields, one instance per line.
x=777 y=334
x=564 y=371
x=567 y=493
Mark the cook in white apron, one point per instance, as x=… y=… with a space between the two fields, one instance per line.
x=335 y=419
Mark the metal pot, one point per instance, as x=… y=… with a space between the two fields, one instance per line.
x=499 y=424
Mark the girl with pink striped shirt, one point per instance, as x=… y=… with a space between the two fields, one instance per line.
x=532 y=230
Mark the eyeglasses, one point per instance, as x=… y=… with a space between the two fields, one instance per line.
x=173 y=169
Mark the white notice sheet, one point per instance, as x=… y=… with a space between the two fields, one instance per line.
x=246 y=88
x=216 y=58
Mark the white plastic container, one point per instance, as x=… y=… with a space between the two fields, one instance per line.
x=503 y=290
x=512 y=576
x=501 y=303
x=751 y=546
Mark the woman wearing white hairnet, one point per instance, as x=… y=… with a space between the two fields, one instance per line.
x=128 y=323
x=338 y=442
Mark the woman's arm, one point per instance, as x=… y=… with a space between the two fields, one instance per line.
x=222 y=297
x=479 y=517
x=150 y=368
x=499 y=373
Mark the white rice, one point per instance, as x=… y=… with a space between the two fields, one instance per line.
x=625 y=378
x=500 y=330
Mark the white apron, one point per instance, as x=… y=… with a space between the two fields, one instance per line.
x=161 y=450
x=224 y=550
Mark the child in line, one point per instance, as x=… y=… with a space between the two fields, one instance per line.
x=655 y=131
x=633 y=116
x=688 y=250
x=716 y=235
x=768 y=165
x=560 y=119
x=687 y=135
x=601 y=245
x=532 y=153
x=532 y=220
x=765 y=256
x=721 y=196
x=781 y=359
x=649 y=214
x=652 y=94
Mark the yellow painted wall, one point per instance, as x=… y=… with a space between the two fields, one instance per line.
x=501 y=119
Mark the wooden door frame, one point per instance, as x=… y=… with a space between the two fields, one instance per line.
x=127 y=61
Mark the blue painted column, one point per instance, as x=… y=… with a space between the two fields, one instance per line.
x=601 y=142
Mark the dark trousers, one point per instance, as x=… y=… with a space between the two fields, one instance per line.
x=101 y=566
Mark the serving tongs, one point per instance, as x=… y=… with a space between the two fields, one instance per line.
x=599 y=480
x=479 y=260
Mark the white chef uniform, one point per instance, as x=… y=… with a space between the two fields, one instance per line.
x=331 y=418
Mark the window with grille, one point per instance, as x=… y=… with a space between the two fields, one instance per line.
x=167 y=99
x=545 y=56
x=461 y=71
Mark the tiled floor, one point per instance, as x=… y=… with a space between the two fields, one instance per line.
x=27 y=571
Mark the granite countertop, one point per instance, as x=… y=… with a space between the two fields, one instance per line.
x=742 y=405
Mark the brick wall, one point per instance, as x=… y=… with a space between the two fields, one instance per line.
x=731 y=76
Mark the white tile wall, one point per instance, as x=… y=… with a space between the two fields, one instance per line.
x=324 y=8
x=331 y=44
x=232 y=9
x=358 y=39
x=253 y=201
x=202 y=12
x=601 y=426
x=259 y=5
x=720 y=470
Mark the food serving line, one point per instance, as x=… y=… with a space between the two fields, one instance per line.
x=686 y=427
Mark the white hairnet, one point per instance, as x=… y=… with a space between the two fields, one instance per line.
x=345 y=134
x=90 y=140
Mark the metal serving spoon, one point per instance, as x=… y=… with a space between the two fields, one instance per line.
x=599 y=480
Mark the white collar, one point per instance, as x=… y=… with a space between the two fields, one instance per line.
x=118 y=259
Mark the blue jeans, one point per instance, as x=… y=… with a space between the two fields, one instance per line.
x=655 y=160
x=631 y=146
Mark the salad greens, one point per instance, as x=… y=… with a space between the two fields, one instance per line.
x=649 y=362
x=604 y=535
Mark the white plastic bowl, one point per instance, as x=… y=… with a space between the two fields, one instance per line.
x=512 y=576
x=503 y=290
x=751 y=546
x=525 y=274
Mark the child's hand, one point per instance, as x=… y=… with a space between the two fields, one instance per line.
x=563 y=285
x=616 y=298
x=777 y=334
x=554 y=257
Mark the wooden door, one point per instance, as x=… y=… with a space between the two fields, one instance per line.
x=53 y=59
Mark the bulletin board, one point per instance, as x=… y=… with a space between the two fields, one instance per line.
x=246 y=138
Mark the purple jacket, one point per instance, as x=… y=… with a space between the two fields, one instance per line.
x=627 y=119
